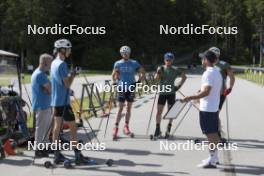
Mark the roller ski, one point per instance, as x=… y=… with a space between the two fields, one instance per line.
x=157 y=135
x=79 y=160
x=86 y=162
x=127 y=132
x=58 y=160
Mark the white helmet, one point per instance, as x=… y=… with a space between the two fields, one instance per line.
x=62 y=43
x=215 y=50
x=125 y=50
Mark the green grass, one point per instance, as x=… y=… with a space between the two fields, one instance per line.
x=5 y=79
x=255 y=77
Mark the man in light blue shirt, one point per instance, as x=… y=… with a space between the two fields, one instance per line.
x=41 y=99
x=61 y=80
x=124 y=72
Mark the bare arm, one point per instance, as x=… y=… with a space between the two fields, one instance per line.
x=231 y=76
x=68 y=80
x=141 y=72
x=183 y=79
x=203 y=93
x=157 y=75
x=115 y=75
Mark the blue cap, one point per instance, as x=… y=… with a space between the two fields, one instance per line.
x=169 y=55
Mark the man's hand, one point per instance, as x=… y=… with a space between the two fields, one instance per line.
x=71 y=92
x=186 y=99
x=227 y=91
x=160 y=70
x=114 y=83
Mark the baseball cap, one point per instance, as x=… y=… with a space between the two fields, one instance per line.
x=210 y=55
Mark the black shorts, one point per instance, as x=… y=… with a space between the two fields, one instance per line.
x=126 y=96
x=222 y=100
x=209 y=122
x=64 y=111
x=170 y=99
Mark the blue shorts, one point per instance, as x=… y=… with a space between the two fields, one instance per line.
x=209 y=122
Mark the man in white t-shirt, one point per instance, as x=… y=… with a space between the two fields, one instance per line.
x=209 y=96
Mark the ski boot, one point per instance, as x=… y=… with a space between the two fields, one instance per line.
x=127 y=131
x=59 y=158
x=82 y=160
x=167 y=134
x=115 y=131
x=156 y=135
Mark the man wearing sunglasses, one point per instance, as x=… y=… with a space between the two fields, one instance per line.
x=166 y=75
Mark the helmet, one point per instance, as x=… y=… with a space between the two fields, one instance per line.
x=215 y=50
x=169 y=55
x=125 y=50
x=62 y=43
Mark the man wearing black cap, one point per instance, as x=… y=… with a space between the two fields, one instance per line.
x=209 y=96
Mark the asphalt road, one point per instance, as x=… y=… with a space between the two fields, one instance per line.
x=142 y=157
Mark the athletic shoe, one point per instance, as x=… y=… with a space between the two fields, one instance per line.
x=207 y=165
x=126 y=130
x=216 y=160
x=115 y=131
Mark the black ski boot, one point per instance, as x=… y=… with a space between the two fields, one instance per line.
x=82 y=160
x=167 y=134
x=59 y=158
x=157 y=134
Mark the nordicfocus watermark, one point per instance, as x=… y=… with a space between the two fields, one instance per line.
x=71 y=145
x=190 y=29
x=59 y=29
x=124 y=87
x=189 y=145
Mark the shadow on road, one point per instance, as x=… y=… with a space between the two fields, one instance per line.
x=246 y=169
x=135 y=152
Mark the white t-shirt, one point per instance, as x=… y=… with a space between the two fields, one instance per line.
x=211 y=77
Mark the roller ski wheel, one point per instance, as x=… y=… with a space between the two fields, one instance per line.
x=48 y=164
x=197 y=141
x=109 y=162
x=131 y=135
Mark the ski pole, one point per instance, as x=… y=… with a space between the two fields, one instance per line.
x=87 y=121
x=110 y=108
x=227 y=120
x=150 y=117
